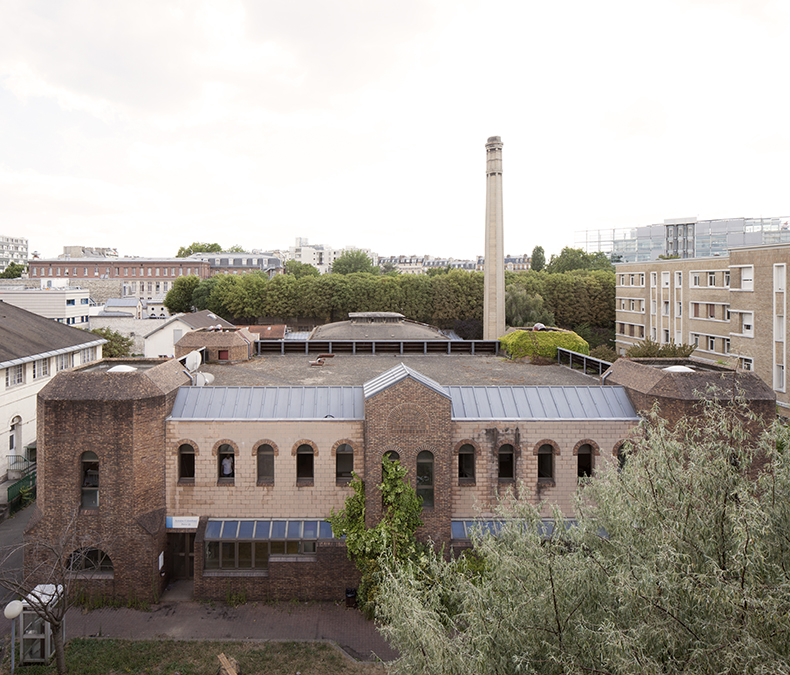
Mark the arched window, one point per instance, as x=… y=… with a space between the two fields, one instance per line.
x=425 y=478
x=186 y=463
x=226 y=463
x=344 y=463
x=15 y=436
x=546 y=463
x=90 y=480
x=304 y=463
x=466 y=463
x=584 y=461
x=265 y=464
x=89 y=560
x=622 y=457
x=507 y=463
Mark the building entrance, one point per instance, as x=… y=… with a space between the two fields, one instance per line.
x=182 y=547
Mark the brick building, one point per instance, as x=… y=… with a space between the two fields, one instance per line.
x=230 y=486
x=733 y=308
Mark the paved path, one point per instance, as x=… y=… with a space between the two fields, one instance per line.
x=252 y=621
x=188 y=620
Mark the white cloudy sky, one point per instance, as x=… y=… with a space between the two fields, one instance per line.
x=148 y=124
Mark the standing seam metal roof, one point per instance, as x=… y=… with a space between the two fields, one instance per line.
x=396 y=374
x=268 y=403
x=541 y=403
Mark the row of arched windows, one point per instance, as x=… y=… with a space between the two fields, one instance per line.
x=264 y=454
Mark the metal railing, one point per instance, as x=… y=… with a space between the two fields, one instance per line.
x=588 y=364
x=15 y=490
x=354 y=347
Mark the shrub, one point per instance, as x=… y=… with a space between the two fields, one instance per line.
x=651 y=349
x=605 y=353
x=544 y=344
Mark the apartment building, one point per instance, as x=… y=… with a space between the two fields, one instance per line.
x=12 y=250
x=732 y=308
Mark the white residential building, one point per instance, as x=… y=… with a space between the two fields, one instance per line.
x=32 y=350
x=12 y=249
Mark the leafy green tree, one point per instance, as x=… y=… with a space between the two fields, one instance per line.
x=389 y=269
x=677 y=563
x=236 y=248
x=202 y=292
x=571 y=259
x=523 y=308
x=117 y=345
x=392 y=536
x=198 y=247
x=353 y=261
x=246 y=298
x=13 y=271
x=538 y=260
x=179 y=298
x=300 y=269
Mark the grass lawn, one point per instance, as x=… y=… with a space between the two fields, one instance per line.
x=91 y=656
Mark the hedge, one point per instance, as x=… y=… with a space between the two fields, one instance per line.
x=522 y=343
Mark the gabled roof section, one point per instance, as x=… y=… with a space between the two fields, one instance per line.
x=25 y=336
x=194 y=320
x=541 y=403
x=268 y=403
x=397 y=374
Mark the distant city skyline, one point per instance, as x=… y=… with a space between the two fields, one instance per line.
x=146 y=126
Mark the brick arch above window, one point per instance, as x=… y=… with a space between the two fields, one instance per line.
x=546 y=441
x=265 y=441
x=225 y=441
x=184 y=441
x=468 y=441
x=343 y=441
x=596 y=450
x=507 y=441
x=301 y=442
x=619 y=446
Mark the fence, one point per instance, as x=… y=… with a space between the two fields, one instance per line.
x=566 y=357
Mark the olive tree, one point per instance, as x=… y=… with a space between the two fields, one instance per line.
x=678 y=561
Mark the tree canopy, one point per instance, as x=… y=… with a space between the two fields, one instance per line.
x=198 y=247
x=117 y=345
x=179 y=297
x=353 y=261
x=677 y=562
x=571 y=259
x=300 y=269
x=13 y=271
x=538 y=260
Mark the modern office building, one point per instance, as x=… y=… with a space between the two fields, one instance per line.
x=684 y=238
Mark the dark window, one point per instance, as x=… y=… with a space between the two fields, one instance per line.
x=546 y=463
x=425 y=478
x=265 y=464
x=466 y=463
x=622 y=458
x=304 y=463
x=344 y=463
x=89 y=560
x=186 y=462
x=227 y=463
x=90 y=480
x=584 y=463
x=507 y=464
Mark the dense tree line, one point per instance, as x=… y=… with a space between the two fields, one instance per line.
x=567 y=299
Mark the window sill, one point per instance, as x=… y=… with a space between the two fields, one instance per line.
x=304 y=482
x=546 y=482
x=92 y=511
x=227 y=482
x=207 y=574
x=466 y=482
x=186 y=481
x=267 y=482
x=506 y=480
x=295 y=558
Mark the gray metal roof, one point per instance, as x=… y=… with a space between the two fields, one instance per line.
x=396 y=374
x=541 y=403
x=268 y=403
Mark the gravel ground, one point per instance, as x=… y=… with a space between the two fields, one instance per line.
x=356 y=370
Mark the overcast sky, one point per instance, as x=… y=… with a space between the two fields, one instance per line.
x=146 y=125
